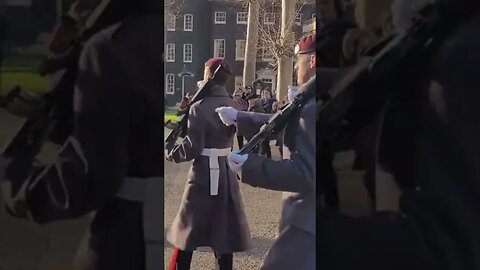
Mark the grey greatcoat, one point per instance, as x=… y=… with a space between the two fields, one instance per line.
x=117 y=105
x=295 y=175
x=216 y=221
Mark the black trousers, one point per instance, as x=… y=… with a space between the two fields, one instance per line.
x=382 y=241
x=182 y=259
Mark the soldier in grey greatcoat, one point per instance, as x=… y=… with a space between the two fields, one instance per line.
x=111 y=165
x=211 y=212
x=294 y=175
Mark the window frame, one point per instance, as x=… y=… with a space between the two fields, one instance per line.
x=167 y=53
x=215 y=17
x=298 y=15
x=265 y=22
x=191 y=52
x=172 y=18
x=167 y=76
x=246 y=17
x=224 y=48
x=242 y=57
x=185 y=16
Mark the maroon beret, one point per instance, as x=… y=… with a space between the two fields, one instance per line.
x=306 y=44
x=213 y=64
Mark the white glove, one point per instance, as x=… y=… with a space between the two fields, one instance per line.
x=235 y=161
x=228 y=115
x=292 y=92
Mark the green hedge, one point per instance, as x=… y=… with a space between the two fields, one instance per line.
x=25 y=78
x=169 y=115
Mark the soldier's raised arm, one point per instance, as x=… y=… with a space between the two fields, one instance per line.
x=296 y=174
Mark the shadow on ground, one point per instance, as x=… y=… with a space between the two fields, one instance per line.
x=257 y=251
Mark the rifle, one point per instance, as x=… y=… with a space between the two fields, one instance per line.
x=365 y=86
x=179 y=129
x=281 y=118
x=51 y=117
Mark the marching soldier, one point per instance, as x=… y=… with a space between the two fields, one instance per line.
x=211 y=213
x=295 y=174
x=112 y=163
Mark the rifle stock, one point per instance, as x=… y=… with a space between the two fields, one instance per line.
x=180 y=130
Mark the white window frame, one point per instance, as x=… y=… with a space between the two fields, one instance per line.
x=171 y=24
x=167 y=50
x=298 y=18
x=217 y=50
x=240 y=56
x=270 y=80
x=185 y=22
x=218 y=13
x=239 y=15
x=185 y=60
x=269 y=15
x=167 y=84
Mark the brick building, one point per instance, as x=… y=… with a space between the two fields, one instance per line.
x=196 y=30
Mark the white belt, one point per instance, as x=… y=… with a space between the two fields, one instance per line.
x=214 y=167
x=148 y=191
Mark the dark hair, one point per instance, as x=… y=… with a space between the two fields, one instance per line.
x=222 y=77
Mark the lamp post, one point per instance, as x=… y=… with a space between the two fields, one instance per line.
x=184 y=74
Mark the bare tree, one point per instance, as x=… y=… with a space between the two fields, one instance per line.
x=250 y=62
x=272 y=44
x=172 y=8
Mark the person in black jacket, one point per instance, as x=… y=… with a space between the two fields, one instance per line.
x=266 y=101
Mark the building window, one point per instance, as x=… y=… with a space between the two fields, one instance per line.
x=269 y=18
x=220 y=17
x=219 y=48
x=269 y=84
x=170 y=84
x=240 y=49
x=187 y=53
x=170 y=52
x=298 y=18
x=242 y=17
x=171 y=22
x=188 y=22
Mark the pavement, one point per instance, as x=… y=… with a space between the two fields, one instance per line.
x=262 y=209
x=25 y=246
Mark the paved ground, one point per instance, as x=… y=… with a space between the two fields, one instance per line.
x=26 y=246
x=262 y=210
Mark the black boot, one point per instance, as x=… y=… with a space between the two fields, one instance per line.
x=181 y=260
x=224 y=261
